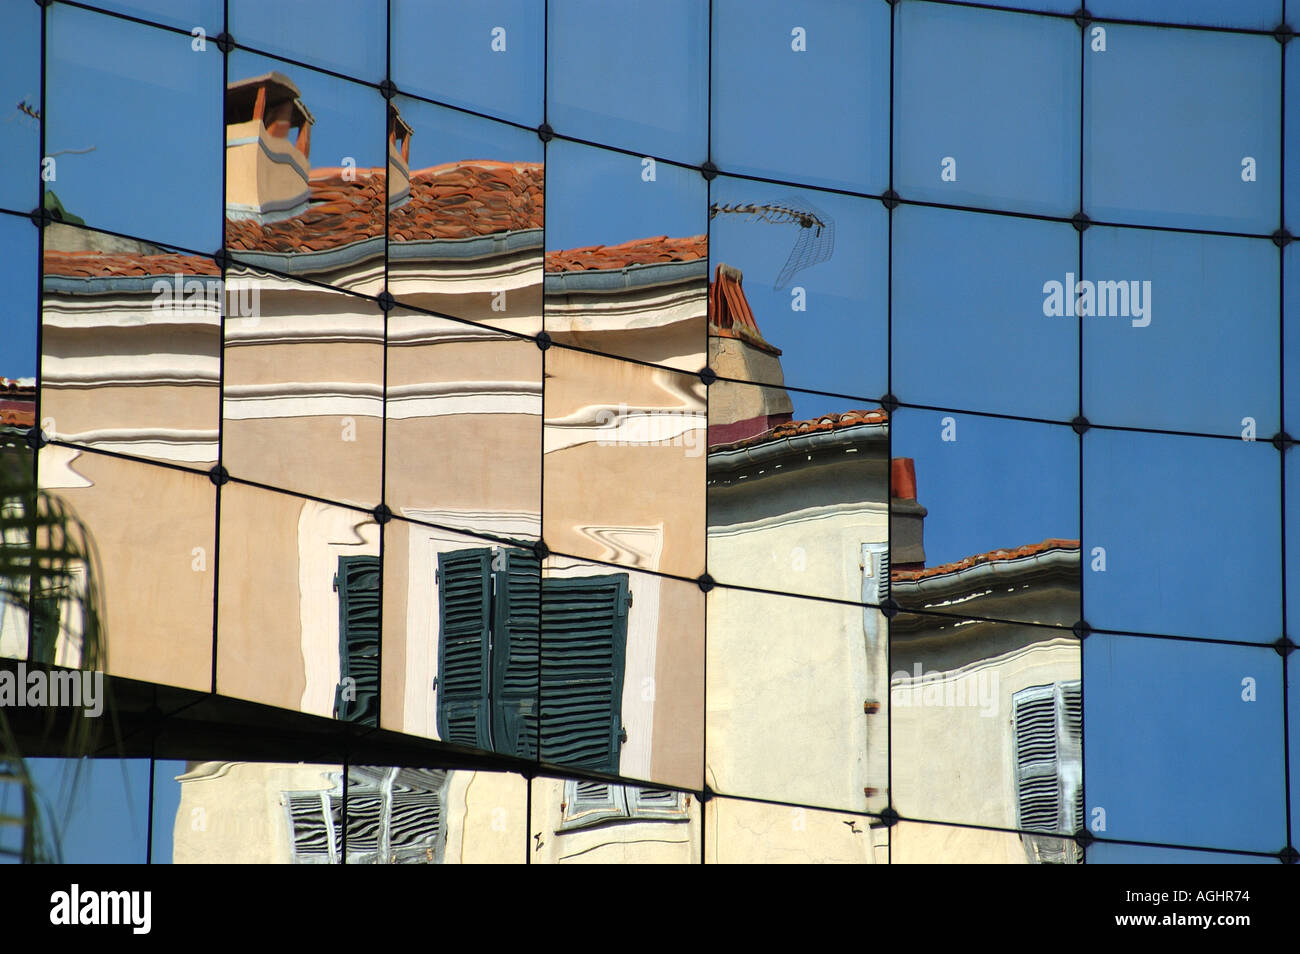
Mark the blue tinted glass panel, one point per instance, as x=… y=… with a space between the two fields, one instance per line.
x=1252 y=14
x=20 y=129
x=633 y=77
x=802 y=94
x=192 y=15
x=489 y=56
x=810 y=269
x=961 y=134
x=91 y=811
x=18 y=316
x=981 y=334
x=348 y=38
x=132 y=129
x=1183 y=743
x=1203 y=304
x=1186 y=525
x=1148 y=161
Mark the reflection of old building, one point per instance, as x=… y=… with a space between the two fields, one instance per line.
x=996 y=701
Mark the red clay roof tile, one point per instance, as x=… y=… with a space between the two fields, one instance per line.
x=992 y=556
x=645 y=251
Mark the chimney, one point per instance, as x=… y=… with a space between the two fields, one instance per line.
x=266 y=174
x=906 y=517
x=399 y=159
x=737 y=350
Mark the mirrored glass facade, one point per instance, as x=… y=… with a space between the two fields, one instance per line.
x=711 y=431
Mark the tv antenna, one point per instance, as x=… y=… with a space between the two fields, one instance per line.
x=814 y=243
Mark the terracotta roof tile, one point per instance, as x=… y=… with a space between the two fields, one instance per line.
x=645 y=251
x=992 y=556
x=125 y=264
x=824 y=423
x=454 y=200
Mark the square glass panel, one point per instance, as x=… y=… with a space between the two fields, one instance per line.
x=582 y=822
x=1146 y=163
x=802 y=94
x=990 y=336
x=1184 y=743
x=349 y=38
x=998 y=125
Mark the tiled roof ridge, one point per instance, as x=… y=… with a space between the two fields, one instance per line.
x=990 y=556
x=834 y=421
x=93 y=264
x=655 y=249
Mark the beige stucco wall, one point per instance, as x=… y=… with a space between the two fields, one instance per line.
x=742 y=832
x=973 y=742
x=153 y=531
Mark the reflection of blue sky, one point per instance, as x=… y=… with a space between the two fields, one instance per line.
x=999 y=484
x=345 y=37
x=98 y=810
x=151 y=107
x=18 y=244
x=837 y=344
x=597 y=197
x=166 y=802
x=466 y=70
x=630 y=75
x=1190 y=526
x=1213 y=317
x=781 y=113
x=1011 y=122
x=20 y=62
x=441 y=135
x=1170 y=115
x=1260 y=14
x=969 y=330
x=186 y=14
x=1172 y=752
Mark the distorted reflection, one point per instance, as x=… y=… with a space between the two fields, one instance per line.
x=273 y=813
x=744 y=832
x=581 y=822
x=298 y=624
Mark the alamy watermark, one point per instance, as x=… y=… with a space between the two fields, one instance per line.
x=1100 y=299
x=181 y=293
x=931 y=689
x=40 y=688
x=652 y=429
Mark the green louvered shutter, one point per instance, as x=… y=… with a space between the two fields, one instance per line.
x=515 y=636
x=464 y=675
x=584 y=644
x=357 y=583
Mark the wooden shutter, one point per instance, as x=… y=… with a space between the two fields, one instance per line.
x=416 y=834
x=1048 y=725
x=516 y=632
x=584 y=644
x=590 y=803
x=464 y=673
x=357 y=583
x=1038 y=786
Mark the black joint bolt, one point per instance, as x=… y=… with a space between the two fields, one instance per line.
x=219 y=475
x=1081 y=630
x=1283 y=33
x=1283 y=646
x=889 y=816
x=225 y=42
x=1282 y=238
x=1080 y=222
x=386 y=302
x=705 y=582
x=1080 y=424
x=709 y=171
x=1281 y=440
x=1082 y=16
x=708 y=375
x=541 y=550
x=382 y=514
x=889 y=402
x=41 y=217
x=35 y=438
x=891 y=199
x=890 y=608
x=388 y=88
x=545 y=133
x=543 y=340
